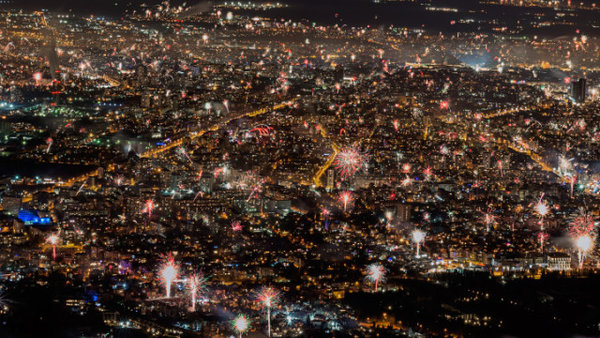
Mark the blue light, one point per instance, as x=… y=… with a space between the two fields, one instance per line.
x=31 y=217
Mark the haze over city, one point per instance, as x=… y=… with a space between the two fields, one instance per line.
x=299 y=168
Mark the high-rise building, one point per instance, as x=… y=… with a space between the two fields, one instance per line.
x=403 y=212
x=578 y=89
x=330 y=179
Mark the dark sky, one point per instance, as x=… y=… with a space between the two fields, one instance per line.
x=113 y=7
x=361 y=13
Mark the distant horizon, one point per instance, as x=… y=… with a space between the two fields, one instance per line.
x=347 y=12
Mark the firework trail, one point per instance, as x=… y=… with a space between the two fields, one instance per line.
x=346 y=198
x=182 y=152
x=256 y=189
x=53 y=240
x=49 y=142
x=80 y=188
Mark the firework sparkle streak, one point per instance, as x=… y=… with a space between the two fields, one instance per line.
x=428 y=172
x=148 y=207
x=80 y=188
x=196 y=284
x=255 y=190
x=488 y=219
x=182 y=152
x=542 y=238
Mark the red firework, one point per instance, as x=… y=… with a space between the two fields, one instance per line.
x=349 y=161
x=148 y=207
x=542 y=237
x=236 y=226
x=583 y=225
x=268 y=296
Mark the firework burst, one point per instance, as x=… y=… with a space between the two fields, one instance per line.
x=53 y=240
x=583 y=233
x=241 y=324
x=583 y=225
x=488 y=219
x=418 y=236
x=428 y=172
x=564 y=165
x=236 y=226
x=349 y=161
x=541 y=208
x=375 y=274
x=268 y=297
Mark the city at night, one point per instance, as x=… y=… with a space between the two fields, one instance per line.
x=299 y=168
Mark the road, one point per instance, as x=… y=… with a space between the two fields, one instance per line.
x=179 y=141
